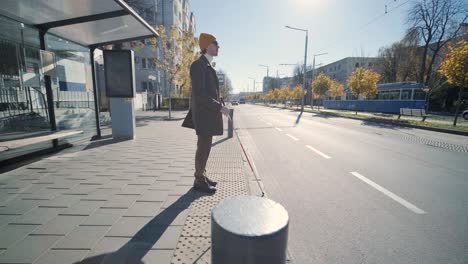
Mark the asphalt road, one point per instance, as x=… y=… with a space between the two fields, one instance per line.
x=361 y=192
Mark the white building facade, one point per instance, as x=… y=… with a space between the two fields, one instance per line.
x=158 y=12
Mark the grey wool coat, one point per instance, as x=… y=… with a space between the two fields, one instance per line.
x=205 y=108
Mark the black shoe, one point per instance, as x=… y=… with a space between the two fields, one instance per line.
x=210 y=182
x=203 y=187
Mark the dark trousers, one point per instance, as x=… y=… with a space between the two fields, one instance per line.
x=202 y=154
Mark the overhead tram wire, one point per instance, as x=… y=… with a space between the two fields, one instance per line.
x=363 y=27
x=387 y=11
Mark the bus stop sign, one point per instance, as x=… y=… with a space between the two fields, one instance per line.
x=221 y=79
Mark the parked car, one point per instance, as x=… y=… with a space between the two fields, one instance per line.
x=242 y=101
x=465 y=114
x=235 y=103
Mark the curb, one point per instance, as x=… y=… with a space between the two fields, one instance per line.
x=376 y=120
x=436 y=129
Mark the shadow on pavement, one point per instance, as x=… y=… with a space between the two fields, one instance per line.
x=258 y=128
x=219 y=141
x=299 y=118
x=104 y=141
x=144 y=120
x=375 y=122
x=142 y=242
x=324 y=115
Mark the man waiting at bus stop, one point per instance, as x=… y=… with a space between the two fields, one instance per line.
x=205 y=109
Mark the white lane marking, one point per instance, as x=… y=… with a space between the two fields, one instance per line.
x=293 y=137
x=318 y=152
x=268 y=123
x=395 y=197
x=279 y=129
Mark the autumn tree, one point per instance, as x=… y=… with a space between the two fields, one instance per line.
x=178 y=52
x=187 y=55
x=276 y=94
x=296 y=93
x=321 y=85
x=285 y=93
x=364 y=82
x=455 y=68
x=270 y=95
x=435 y=23
x=336 y=89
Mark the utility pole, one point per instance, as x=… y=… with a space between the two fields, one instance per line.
x=261 y=65
x=305 y=63
x=253 y=79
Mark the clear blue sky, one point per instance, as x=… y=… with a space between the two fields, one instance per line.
x=252 y=32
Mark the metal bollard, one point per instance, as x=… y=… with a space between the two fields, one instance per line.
x=231 y=123
x=249 y=230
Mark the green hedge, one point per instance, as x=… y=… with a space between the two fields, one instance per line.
x=177 y=103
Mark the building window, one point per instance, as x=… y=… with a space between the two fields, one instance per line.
x=143 y=63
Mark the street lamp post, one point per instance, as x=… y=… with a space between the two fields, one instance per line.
x=268 y=69
x=253 y=83
x=305 y=63
x=312 y=78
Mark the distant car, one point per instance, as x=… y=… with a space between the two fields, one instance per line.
x=235 y=103
x=465 y=114
x=242 y=101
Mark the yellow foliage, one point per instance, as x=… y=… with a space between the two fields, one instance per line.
x=270 y=95
x=455 y=65
x=296 y=92
x=285 y=93
x=336 y=89
x=178 y=52
x=321 y=85
x=364 y=82
x=276 y=94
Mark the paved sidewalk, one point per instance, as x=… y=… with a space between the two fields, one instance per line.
x=118 y=202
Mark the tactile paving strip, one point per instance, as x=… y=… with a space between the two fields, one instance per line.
x=197 y=227
x=225 y=177
x=194 y=245
x=223 y=170
x=224 y=190
x=436 y=143
x=202 y=208
x=191 y=250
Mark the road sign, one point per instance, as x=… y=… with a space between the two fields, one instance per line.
x=221 y=79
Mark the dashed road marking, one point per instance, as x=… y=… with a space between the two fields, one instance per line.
x=393 y=196
x=318 y=152
x=293 y=137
